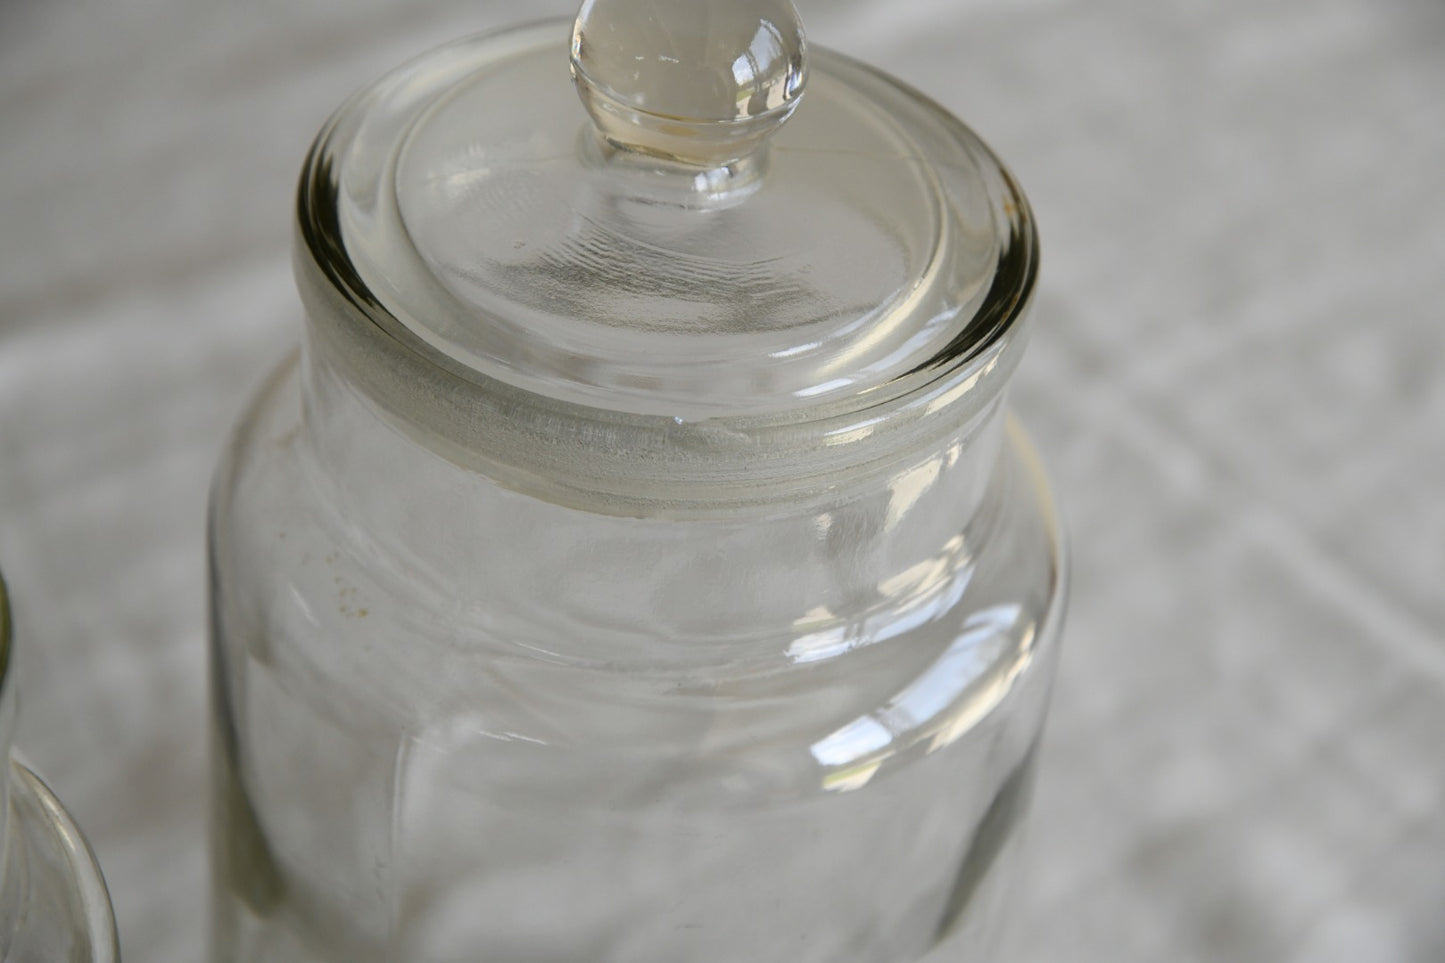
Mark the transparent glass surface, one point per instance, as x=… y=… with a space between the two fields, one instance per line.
x=54 y=907
x=637 y=562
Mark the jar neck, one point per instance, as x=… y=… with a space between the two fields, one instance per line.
x=506 y=559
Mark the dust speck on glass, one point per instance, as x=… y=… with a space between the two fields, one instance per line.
x=637 y=562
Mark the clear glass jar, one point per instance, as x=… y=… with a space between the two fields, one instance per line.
x=54 y=907
x=637 y=561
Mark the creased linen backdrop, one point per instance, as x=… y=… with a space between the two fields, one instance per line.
x=1236 y=379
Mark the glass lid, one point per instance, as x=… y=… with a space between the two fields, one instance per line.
x=729 y=225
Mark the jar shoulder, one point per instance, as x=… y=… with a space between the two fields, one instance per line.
x=468 y=552
x=578 y=633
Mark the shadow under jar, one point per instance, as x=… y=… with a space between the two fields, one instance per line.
x=637 y=562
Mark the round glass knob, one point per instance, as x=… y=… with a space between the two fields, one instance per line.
x=699 y=82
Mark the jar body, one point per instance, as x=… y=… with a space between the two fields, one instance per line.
x=454 y=721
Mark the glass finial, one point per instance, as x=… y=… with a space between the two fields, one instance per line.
x=698 y=81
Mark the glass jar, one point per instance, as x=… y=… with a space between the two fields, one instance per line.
x=54 y=907
x=637 y=561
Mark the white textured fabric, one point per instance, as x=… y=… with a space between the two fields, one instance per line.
x=1236 y=379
